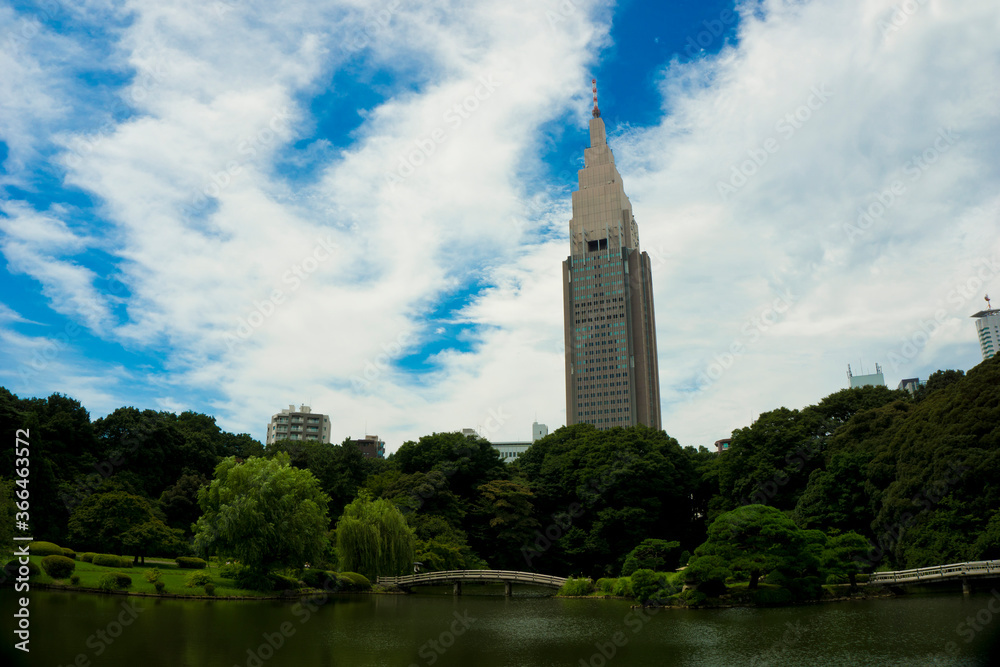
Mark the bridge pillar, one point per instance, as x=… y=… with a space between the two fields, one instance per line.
x=966 y=586
x=457 y=588
x=508 y=588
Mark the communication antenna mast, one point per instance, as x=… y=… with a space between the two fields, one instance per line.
x=597 y=112
x=988 y=307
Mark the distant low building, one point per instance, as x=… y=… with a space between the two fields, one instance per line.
x=722 y=445
x=875 y=379
x=509 y=451
x=301 y=424
x=538 y=431
x=371 y=447
x=910 y=384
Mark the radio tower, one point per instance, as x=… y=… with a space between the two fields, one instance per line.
x=597 y=112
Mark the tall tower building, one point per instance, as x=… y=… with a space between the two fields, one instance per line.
x=988 y=327
x=612 y=377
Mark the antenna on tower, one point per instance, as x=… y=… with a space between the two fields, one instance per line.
x=988 y=306
x=597 y=112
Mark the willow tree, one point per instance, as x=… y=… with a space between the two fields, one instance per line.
x=373 y=538
x=263 y=512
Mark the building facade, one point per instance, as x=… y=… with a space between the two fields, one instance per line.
x=301 y=424
x=612 y=378
x=871 y=380
x=371 y=447
x=988 y=328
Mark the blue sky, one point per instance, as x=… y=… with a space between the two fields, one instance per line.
x=231 y=206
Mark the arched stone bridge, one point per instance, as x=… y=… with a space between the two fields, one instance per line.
x=457 y=577
x=964 y=572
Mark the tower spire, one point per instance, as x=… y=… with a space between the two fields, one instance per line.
x=597 y=112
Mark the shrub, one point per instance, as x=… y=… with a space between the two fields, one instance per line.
x=152 y=576
x=359 y=581
x=645 y=584
x=190 y=563
x=834 y=579
x=254 y=581
x=623 y=588
x=691 y=598
x=87 y=557
x=45 y=549
x=75 y=579
x=806 y=588
x=861 y=578
x=58 y=567
x=768 y=597
x=114 y=581
x=605 y=585
x=159 y=585
x=282 y=582
x=233 y=571
x=577 y=587
x=209 y=589
x=109 y=560
x=69 y=553
x=685 y=557
x=13 y=569
x=319 y=578
x=198 y=579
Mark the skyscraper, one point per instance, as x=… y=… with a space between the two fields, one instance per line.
x=612 y=378
x=988 y=327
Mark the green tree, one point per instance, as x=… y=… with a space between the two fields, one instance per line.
x=374 y=539
x=263 y=512
x=757 y=539
x=651 y=554
x=708 y=573
x=845 y=554
x=506 y=512
x=108 y=522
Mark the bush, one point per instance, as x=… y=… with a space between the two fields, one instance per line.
x=768 y=597
x=646 y=584
x=13 y=569
x=45 y=549
x=605 y=585
x=358 y=581
x=861 y=578
x=806 y=588
x=281 y=582
x=75 y=579
x=233 y=571
x=87 y=557
x=159 y=586
x=209 y=589
x=623 y=588
x=835 y=579
x=110 y=560
x=190 y=563
x=152 y=576
x=691 y=598
x=58 y=567
x=685 y=557
x=254 y=581
x=319 y=578
x=114 y=581
x=577 y=587
x=69 y=553
x=198 y=579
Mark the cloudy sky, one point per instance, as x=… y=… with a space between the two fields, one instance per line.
x=237 y=205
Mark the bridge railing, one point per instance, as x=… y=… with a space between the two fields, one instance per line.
x=952 y=571
x=448 y=576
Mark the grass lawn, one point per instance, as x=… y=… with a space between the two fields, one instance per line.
x=171 y=574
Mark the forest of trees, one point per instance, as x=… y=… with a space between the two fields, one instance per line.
x=916 y=477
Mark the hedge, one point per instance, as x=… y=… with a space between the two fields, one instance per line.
x=356 y=581
x=58 y=567
x=190 y=563
x=13 y=569
x=69 y=553
x=280 y=582
x=87 y=556
x=114 y=581
x=45 y=549
x=110 y=560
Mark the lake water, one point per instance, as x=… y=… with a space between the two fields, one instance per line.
x=483 y=629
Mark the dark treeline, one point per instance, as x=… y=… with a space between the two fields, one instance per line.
x=916 y=477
